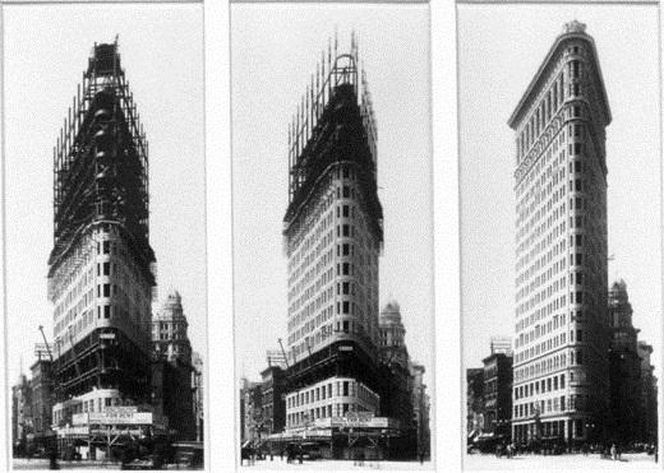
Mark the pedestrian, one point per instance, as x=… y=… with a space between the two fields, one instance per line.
x=613 y=451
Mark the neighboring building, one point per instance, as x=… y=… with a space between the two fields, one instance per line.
x=169 y=330
x=173 y=393
x=21 y=415
x=624 y=368
x=497 y=393
x=391 y=335
x=401 y=378
x=474 y=402
x=501 y=345
x=172 y=398
x=421 y=412
x=251 y=409
x=648 y=424
x=199 y=398
x=561 y=381
x=41 y=386
x=273 y=390
x=100 y=276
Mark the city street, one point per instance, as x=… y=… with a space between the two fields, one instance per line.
x=571 y=462
x=338 y=465
x=42 y=464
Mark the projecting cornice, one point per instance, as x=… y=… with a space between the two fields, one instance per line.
x=571 y=31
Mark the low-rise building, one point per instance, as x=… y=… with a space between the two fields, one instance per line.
x=273 y=405
x=648 y=424
x=21 y=415
x=497 y=394
x=41 y=387
x=474 y=402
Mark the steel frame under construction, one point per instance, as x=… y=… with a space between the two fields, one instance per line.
x=334 y=130
x=334 y=123
x=100 y=160
x=101 y=195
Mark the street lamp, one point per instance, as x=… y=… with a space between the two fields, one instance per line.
x=590 y=427
x=53 y=454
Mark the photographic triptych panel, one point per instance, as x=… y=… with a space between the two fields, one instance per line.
x=105 y=249
x=333 y=233
x=561 y=299
x=138 y=137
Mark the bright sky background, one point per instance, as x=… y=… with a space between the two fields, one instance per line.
x=500 y=50
x=274 y=49
x=46 y=49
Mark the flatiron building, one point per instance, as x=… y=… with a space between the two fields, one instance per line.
x=333 y=236
x=560 y=350
x=100 y=271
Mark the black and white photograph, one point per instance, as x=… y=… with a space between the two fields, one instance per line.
x=105 y=235
x=560 y=232
x=332 y=235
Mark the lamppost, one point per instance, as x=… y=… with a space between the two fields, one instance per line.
x=53 y=385
x=590 y=428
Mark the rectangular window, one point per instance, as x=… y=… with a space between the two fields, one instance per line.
x=107 y=247
x=107 y=311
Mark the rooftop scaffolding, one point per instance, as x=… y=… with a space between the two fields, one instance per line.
x=100 y=162
x=337 y=97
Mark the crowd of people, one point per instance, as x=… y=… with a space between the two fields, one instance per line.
x=610 y=450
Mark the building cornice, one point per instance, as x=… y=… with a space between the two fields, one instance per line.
x=540 y=76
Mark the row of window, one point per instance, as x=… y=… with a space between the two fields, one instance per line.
x=322 y=412
x=542 y=366
x=540 y=116
x=551 y=343
x=542 y=386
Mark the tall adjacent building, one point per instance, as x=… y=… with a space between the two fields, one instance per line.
x=169 y=330
x=648 y=409
x=333 y=235
x=100 y=275
x=624 y=367
x=560 y=363
x=172 y=370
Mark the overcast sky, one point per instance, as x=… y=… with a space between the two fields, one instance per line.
x=274 y=49
x=46 y=49
x=500 y=50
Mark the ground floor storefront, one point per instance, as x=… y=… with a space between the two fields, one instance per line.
x=343 y=444
x=569 y=430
